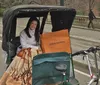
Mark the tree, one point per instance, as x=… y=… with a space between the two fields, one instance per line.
x=79 y=5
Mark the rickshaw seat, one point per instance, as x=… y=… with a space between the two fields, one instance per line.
x=13 y=44
x=16 y=41
x=44 y=68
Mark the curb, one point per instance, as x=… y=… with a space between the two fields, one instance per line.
x=76 y=63
x=86 y=28
x=83 y=65
x=80 y=27
x=85 y=39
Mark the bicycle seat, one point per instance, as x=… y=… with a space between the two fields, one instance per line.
x=61 y=67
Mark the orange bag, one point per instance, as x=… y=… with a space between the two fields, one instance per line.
x=58 y=41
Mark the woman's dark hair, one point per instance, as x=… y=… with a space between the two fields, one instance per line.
x=36 y=30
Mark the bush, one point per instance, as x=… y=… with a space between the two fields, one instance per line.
x=1 y=11
x=81 y=13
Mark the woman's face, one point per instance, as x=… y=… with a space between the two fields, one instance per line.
x=33 y=25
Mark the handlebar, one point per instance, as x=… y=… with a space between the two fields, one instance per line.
x=84 y=52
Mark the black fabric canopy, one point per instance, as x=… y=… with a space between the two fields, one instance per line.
x=59 y=14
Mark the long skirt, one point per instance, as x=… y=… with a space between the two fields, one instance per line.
x=19 y=71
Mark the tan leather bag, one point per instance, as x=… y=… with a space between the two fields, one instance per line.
x=58 y=41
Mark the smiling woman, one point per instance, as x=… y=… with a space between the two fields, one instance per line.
x=29 y=37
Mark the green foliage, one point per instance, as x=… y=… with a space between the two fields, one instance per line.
x=98 y=8
x=1 y=11
x=81 y=13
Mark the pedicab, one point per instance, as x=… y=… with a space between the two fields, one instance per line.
x=49 y=67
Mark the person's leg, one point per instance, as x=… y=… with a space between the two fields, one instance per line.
x=92 y=24
x=89 y=23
